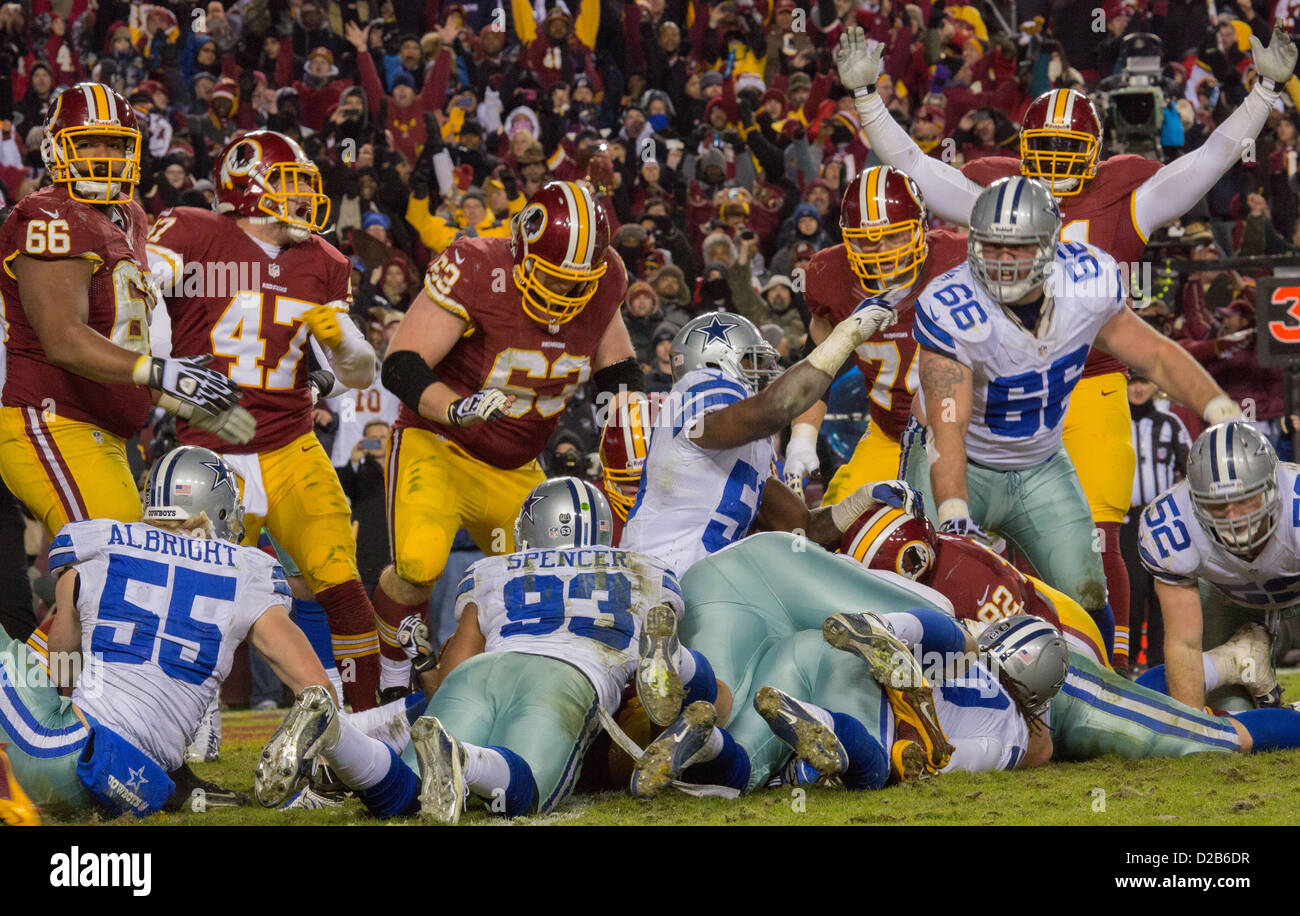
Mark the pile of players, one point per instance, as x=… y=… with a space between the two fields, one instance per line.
x=874 y=639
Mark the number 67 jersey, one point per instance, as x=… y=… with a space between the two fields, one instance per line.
x=1022 y=381
x=583 y=606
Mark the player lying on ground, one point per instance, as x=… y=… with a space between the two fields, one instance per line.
x=545 y=635
x=152 y=613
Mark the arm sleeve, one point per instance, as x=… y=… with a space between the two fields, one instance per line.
x=587 y=23
x=526 y=29
x=353 y=360
x=1176 y=188
x=369 y=81
x=949 y=194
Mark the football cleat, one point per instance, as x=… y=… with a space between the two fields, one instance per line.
x=670 y=753
x=899 y=674
x=16 y=809
x=792 y=722
x=199 y=795
x=1247 y=659
x=325 y=790
x=797 y=772
x=658 y=683
x=311 y=726
x=442 y=771
x=908 y=760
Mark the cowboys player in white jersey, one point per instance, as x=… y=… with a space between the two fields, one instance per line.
x=546 y=635
x=1224 y=548
x=155 y=610
x=1003 y=342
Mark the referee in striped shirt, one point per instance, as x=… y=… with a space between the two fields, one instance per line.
x=1162 y=443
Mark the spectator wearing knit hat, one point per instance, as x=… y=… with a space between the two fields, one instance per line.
x=406 y=109
x=319 y=89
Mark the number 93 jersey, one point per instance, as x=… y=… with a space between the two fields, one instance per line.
x=694 y=502
x=161 y=616
x=502 y=347
x=1177 y=549
x=583 y=606
x=1022 y=382
x=50 y=226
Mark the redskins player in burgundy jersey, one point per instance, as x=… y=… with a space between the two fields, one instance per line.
x=979 y=583
x=248 y=286
x=76 y=301
x=1114 y=204
x=888 y=253
x=491 y=351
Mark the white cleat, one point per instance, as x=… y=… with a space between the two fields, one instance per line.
x=442 y=771
x=1247 y=659
x=658 y=683
x=285 y=765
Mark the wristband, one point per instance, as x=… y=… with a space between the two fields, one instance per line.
x=956 y=507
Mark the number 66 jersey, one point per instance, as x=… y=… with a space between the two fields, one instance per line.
x=1022 y=381
x=583 y=606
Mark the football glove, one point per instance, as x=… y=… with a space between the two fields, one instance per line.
x=873 y=315
x=323 y=322
x=858 y=62
x=235 y=425
x=901 y=495
x=801 y=454
x=321 y=383
x=964 y=527
x=1277 y=61
x=186 y=379
x=488 y=404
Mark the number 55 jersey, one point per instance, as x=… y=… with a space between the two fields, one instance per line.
x=1022 y=381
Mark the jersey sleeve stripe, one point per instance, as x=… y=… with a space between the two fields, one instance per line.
x=670 y=583
x=697 y=407
x=466 y=585
x=450 y=305
x=60 y=558
x=922 y=330
x=1158 y=571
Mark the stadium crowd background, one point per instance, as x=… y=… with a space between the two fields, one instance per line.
x=715 y=133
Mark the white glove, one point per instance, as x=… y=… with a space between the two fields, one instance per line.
x=1277 y=61
x=801 y=453
x=858 y=62
x=873 y=316
x=866 y=320
x=488 y=404
x=1222 y=409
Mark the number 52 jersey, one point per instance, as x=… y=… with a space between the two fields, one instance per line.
x=1022 y=382
x=583 y=606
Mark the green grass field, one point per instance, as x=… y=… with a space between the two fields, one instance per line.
x=1216 y=789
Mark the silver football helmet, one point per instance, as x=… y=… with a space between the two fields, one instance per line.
x=729 y=343
x=1013 y=211
x=1030 y=658
x=564 y=512
x=1232 y=463
x=189 y=480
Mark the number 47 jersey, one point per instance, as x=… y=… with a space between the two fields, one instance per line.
x=1022 y=381
x=583 y=606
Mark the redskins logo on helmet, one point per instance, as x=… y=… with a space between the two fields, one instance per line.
x=892 y=539
x=83 y=119
x=623 y=447
x=559 y=242
x=883 y=220
x=1060 y=140
x=267 y=177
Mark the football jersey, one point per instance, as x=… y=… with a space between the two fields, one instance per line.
x=1102 y=214
x=888 y=359
x=161 y=616
x=693 y=502
x=503 y=348
x=1177 y=550
x=227 y=297
x=1022 y=383
x=983 y=586
x=50 y=226
x=981 y=722
x=583 y=606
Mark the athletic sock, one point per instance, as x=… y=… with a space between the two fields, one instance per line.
x=356 y=644
x=934 y=630
x=1117 y=590
x=1271 y=729
x=703 y=684
x=388 y=723
x=868 y=763
x=397 y=792
x=686 y=663
x=393 y=673
x=389 y=614
x=1105 y=620
x=416 y=703
x=361 y=761
x=315 y=625
x=520 y=795
x=729 y=768
x=486 y=770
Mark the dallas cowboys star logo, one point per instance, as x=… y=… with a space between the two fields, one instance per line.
x=137 y=779
x=717 y=329
x=527 y=510
x=221 y=475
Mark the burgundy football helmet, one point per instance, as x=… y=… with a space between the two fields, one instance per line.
x=893 y=539
x=266 y=176
x=82 y=114
x=883 y=212
x=1060 y=141
x=623 y=447
x=559 y=241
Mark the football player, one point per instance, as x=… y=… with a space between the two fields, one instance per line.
x=245 y=286
x=501 y=337
x=890 y=254
x=80 y=379
x=1114 y=204
x=153 y=611
x=1001 y=348
x=623 y=445
x=1223 y=546
x=546 y=635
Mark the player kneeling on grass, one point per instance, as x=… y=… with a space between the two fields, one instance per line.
x=150 y=613
x=546 y=636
